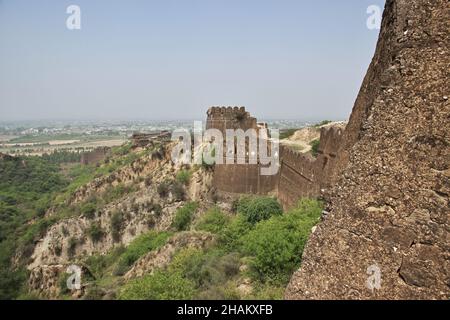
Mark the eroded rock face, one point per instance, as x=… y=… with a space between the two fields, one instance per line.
x=200 y=186
x=44 y=280
x=389 y=211
x=68 y=242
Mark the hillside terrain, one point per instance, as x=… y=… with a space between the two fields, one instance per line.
x=140 y=227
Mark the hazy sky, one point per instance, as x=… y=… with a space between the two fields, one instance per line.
x=171 y=59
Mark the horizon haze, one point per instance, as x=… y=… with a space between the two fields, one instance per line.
x=167 y=60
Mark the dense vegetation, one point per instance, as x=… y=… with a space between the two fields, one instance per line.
x=183 y=216
x=31 y=185
x=119 y=260
x=62 y=156
x=263 y=253
x=270 y=247
x=256 y=210
x=315 y=147
x=26 y=188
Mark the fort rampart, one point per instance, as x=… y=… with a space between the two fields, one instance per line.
x=299 y=175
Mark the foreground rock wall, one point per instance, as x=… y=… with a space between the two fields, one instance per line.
x=390 y=208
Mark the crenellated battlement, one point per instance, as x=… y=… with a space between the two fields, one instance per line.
x=226 y=112
x=223 y=118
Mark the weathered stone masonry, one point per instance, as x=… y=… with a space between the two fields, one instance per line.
x=299 y=175
x=302 y=175
x=238 y=178
x=390 y=207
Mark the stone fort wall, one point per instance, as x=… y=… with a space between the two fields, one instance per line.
x=243 y=178
x=300 y=175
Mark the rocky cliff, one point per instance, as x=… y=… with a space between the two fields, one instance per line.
x=135 y=211
x=387 y=233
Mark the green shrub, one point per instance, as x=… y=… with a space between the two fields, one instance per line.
x=206 y=268
x=315 y=147
x=95 y=232
x=62 y=283
x=213 y=221
x=178 y=191
x=234 y=231
x=163 y=189
x=11 y=282
x=161 y=285
x=140 y=246
x=88 y=210
x=256 y=209
x=117 y=220
x=120 y=269
x=183 y=216
x=234 y=205
x=183 y=177
x=277 y=244
x=157 y=209
x=35 y=231
x=99 y=264
x=187 y=262
x=122 y=150
x=42 y=205
x=117 y=192
x=209 y=271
